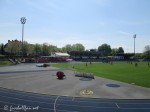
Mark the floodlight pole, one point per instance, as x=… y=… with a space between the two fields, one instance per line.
x=23 y=21
x=134 y=36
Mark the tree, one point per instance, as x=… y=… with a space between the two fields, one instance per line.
x=105 y=49
x=78 y=47
x=30 y=50
x=13 y=48
x=37 y=49
x=53 y=48
x=45 y=49
x=67 y=48
x=2 y=49
x=114 y=51
x=27 y=49
x=147 y=52
x=120 y=50
x=117 y=51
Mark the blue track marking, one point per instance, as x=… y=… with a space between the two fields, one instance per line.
x=51 y=103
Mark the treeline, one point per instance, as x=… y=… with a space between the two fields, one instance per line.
x=14 y=48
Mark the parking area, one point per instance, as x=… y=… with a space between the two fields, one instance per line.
x=29 y=78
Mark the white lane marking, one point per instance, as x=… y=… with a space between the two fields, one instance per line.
x=55 y=103
x=72 y=98
x=117 y=105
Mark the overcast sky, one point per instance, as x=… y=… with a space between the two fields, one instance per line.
x=89 y=22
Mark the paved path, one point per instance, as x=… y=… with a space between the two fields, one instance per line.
x=45 y=93
x=17 y=101
x=29 y=78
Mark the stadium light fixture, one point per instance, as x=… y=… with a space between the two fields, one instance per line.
x=23 y=21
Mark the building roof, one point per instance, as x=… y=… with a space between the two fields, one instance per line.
x=58 y=54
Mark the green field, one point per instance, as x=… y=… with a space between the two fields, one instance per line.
x=120 y=71
x=2 y=63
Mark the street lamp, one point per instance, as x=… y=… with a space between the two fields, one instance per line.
x=134 y=36
x=23 y=21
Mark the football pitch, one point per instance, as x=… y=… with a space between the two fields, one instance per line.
x=121 y=71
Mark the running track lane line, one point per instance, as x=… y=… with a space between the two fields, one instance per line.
x=55 y=103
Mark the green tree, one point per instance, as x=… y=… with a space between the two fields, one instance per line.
x=37 y=49
x=26 y=48
x=2 y=48
x=53 y=48
x=45 y=49
x=78 y=47
x=114 y=51
x=30 y=50
x=13 y=48
x=120 y=50
x=147 y=52
x=67 y=47
x=105 y=49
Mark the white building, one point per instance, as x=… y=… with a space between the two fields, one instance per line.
x=58 y=54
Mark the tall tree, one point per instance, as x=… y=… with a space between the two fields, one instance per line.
x=26 y=48
x=53 y=48
x=78 y=47
x=120 y=50
x=2 y=49
x=37 y=49
x=105 y=49
x=114 y=51
x=30 y=50
x=147 y=52
x=13 y=48
x=67 y=47
x=45 y=49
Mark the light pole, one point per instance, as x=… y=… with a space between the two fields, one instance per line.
x=134 y=36
x=23 y=21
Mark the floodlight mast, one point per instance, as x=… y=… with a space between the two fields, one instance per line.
x=134 y=36
x=23 y=21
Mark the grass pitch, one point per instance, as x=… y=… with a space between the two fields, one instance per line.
x=121 y=71
x=3 y=63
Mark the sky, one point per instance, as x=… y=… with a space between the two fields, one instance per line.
x=89 y=22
